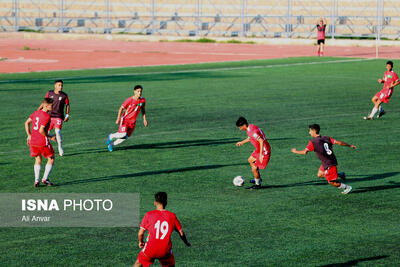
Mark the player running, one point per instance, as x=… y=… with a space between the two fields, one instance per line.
x=321 y=26
x=390 y=80
x=159 y=223
x=127 y=122
x=322 y=145
x=60 y=100
x=38 y=140
x=260 y=157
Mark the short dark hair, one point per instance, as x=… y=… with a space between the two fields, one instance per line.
x=315 y=127
x=161 y=197
x=390 y=63
x=48 y=100
x=138 y=87
x=59 y=81
x=241 y=121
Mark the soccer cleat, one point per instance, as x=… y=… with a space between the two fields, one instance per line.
x=256 y=186
x=110 y=147
x=47 y=182
x=347 y=190
x=342 y=176
x=368 y=118
x=253 y=181
x=36 y=184
x=381 y=113
x=109 y=139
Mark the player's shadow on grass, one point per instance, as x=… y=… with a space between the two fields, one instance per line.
x=354 y=262
x=307 y=183
x=391 y=185
x=163 y=145
x=372 y=177
x=149 y=173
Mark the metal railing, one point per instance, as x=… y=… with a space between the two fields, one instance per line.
x=230 y=18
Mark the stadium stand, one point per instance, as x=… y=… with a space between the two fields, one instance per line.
x=231 y=18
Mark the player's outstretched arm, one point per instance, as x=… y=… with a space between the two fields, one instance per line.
x=28 y=130
x=243 y=142
x=184 y=239
x=341 y=143
x=119 y=114
x=300 y=152
x=140 y=237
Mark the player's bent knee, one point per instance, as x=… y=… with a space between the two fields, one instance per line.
x=334 y=183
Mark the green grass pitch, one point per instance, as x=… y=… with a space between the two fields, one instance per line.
x=189 y=151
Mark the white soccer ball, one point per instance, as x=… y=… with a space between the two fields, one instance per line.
x=238 y=181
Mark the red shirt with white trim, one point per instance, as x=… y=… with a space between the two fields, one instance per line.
x=388 y=78
x=39 y=118
x=160 y=224
x=254 y=133
x=132 y=108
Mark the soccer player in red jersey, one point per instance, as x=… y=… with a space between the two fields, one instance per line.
x=126 y=118
x=38 y=141
x=390 y=80
x=322 y=145
x=60 y=101
x=160 y=224
x=260 y=157
x=321 y=26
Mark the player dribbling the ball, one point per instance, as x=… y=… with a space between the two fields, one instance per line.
x=261 y=155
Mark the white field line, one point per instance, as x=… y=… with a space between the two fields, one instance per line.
x=191 y=71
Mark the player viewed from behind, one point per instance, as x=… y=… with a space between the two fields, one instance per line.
x=260 y=157
x=126 y=118
x=322 y=145
x=38 y=141
x=160 y=224
x=390 y=80
x=60 y=100
x=321 y=26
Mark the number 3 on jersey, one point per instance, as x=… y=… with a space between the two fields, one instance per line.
x=163 y=227
x=328 y=151
x=36 y=126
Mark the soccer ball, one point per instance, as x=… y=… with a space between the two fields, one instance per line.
x=238 y=181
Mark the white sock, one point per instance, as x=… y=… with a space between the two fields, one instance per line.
x=36 y=169
x=342 y=186
x=59 y=139
x=380 y=109
x=257 y=181
x=117 y=135
x=118 y=141
x=373 y=112
x=47 y=172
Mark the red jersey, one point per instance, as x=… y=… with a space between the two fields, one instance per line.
x=321 y=32
x=39 y=118
x=132 y=108
x=159 y=224
x=388 y=78
x=254 y=133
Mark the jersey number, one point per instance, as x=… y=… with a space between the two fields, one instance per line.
x=163 y=227
x=328 y=151
x=36 y=126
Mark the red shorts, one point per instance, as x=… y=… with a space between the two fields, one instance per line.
x=168 y=260
x=56 y=123
x=330 y=173
x=264 y=163
x=45 y=151
x=126 y=127
x=383 y=95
